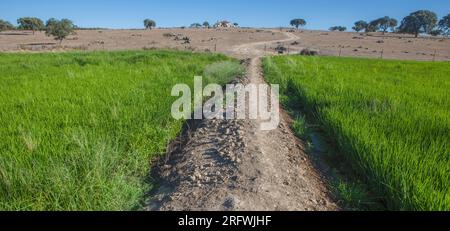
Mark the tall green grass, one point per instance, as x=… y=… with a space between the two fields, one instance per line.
x=223 y=72
x=78 y=130
x=390 y=118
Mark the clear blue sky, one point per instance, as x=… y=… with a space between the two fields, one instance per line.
x=320 y=14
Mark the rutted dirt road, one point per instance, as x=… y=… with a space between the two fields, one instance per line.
x=233 y=165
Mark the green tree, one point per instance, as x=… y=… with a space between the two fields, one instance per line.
x=422 y=21
x=373 y=26
x=444 y=25
x=298 y=22
x=436 y=32
x=206 y=24
x=30 y=23
x=360 y=25
x=235 y=24
x=393 y=24
x=338 y=28
x=385 y=23
x=196 y=25
x=59 y=29
x=5 y=25
x=149 y=24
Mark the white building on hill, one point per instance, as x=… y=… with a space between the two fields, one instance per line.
x=224 y=24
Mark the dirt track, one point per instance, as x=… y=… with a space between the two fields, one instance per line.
x=233 y=165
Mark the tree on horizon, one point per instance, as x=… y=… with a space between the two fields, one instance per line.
x=384 y=23
x=5 y=25
x=59 y=29
x=298 y=22
x=30 y=23
x=444 y=25
x=360 y=25
x=149 y=24
x=422 y=21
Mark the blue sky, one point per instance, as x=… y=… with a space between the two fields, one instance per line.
x=320 y=14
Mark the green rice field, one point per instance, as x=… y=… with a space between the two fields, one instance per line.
x=78 y=130
x=391 y=119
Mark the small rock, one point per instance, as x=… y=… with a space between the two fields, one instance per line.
x=228 y=203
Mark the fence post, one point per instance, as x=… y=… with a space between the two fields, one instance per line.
x=382 y=52
x=215 y=47
x=340 y=51
x=434 y=56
